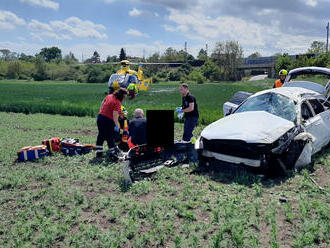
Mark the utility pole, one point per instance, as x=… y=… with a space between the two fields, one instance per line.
x=185 y=50
x=327 y=48
x=206 y=48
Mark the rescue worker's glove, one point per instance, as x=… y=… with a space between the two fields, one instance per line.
x=116 y=129
x=180 y=112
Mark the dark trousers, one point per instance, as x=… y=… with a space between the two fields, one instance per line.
x=131 y=93
x=189 y=125
x=106 y=128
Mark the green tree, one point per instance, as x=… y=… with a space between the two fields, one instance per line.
x=302 y=61
x=323 y=60
x=202 y=55
x=111 y=59
x=283 y=62
x=95 y=74
x=170 y=55
x=7 y=55
x=211 y=71
x=183 y=56
x=174 y=75
x=13 y=70
x=254 y=55
x=40 y=70
x=52 y=53
x=197 y=76
x=228 y=56
x=154 y=58
x=317 y=47
x=70 y=59
x=185 y=69
x=95 y=59
x=122 y=55
x=26 y=58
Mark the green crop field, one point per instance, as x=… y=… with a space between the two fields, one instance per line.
x=84 y=99
x=63 y=201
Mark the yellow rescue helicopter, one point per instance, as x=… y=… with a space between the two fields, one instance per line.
x=125 y=77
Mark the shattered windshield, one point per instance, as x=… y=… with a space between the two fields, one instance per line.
x=272 y=103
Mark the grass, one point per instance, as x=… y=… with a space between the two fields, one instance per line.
x=71 y=202
x=76 y=99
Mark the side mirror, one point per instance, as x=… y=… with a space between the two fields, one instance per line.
x=229 y=112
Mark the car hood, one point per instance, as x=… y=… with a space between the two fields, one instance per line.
x=251 y=127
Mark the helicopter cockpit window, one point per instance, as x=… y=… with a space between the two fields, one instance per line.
x=120 y=78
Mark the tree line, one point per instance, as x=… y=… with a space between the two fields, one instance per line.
x=49 y=64
x=220 y=65
x=318 y=48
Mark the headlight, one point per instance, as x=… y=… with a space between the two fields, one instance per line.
x=199 y=143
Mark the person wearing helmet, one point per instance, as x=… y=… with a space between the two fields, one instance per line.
x=132 y=90
x=279 y=82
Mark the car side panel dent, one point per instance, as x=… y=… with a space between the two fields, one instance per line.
x=305 y=157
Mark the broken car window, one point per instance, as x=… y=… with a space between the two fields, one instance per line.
x=272 y=103
x=317 y=106
x=326 y=104
x=306 y=113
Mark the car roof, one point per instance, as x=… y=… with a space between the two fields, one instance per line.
x=294 y=93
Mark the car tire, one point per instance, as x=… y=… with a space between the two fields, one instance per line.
x=203 y=162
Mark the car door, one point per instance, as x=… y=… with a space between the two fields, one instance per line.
x=313 y=125
x=324 y=112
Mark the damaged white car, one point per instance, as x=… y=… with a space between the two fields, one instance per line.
x=273 y=129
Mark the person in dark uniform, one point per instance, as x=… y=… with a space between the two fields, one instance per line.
x=190 y=109
x=137 y=129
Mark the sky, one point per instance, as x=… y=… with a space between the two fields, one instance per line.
x=143 y=27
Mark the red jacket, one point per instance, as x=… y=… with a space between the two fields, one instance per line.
x=110 y=104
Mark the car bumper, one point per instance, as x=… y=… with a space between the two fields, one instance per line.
x=232 y=159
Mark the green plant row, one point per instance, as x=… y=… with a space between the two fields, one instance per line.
x=75 y=99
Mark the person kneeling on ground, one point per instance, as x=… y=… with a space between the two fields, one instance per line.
x=107 y=121
x=137 y=129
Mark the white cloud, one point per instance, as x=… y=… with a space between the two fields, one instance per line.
x=36 y=25
x=37 y=37
x=42 y=3
x=251 y=36
x=109 y=1
x=135 y=32
x=311 y=3
x=135 y=12
x=142 y=13
x=8 y=20
x=64 y=30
